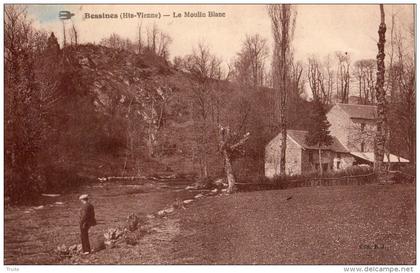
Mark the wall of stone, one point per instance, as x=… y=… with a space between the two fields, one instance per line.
x=272 y=157
x=357 y=136
x=340 y=124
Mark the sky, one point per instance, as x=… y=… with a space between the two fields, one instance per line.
x=320 y=29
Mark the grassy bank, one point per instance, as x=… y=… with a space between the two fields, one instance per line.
x=369 y=224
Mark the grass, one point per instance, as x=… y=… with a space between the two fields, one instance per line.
x=324 y=225
x=317 y=225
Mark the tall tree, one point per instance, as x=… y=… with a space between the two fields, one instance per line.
x=205 y=71
x=343 y=76
x=230 y=146
x=318 y=133
x=380 y=94
x=250 y=62
x=23 y=115
x=364 y=71
x=283 y=20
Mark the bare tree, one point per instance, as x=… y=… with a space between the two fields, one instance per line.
x=329 y=77
x=230 y=146
x=380 y=95
x=364 y=71
x=401 y=115
x=250 y=62
x=317 y=82
x=140 y=40
x=23 y=111
x=205 y=70
x=283 y=20
x=343 y=76
x=73 y=34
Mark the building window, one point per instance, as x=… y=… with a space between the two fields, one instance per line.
x=338 y=165
x=362 y=146
x=362 y=127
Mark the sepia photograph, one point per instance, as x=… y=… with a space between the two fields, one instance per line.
x=210 y=134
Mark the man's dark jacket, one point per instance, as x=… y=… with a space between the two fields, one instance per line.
x=87 y=216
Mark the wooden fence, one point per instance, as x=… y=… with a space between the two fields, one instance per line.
x=311 y=182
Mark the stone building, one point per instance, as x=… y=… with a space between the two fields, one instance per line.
x=353 y=125
x=353 y=130
x=302 y=158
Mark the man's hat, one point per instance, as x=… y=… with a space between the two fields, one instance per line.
x=83 y=197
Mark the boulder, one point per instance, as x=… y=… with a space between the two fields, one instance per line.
x=199 y=196
x=98 y=244
x=188 y=201
x=132 y=222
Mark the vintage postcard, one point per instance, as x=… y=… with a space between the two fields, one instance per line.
x=210 y=134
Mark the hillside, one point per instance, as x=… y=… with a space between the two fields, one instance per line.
x=108 y=112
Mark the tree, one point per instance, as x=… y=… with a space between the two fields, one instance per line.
x=380 y=95
x=343 y=76
x=205 y=71
x=401 y=109
x=23 y=114
x=231 y=147
x=283 y=20
x=364 y=71
x=73 y=34
x=250 y=62
x=317 y=82
x=318 y=133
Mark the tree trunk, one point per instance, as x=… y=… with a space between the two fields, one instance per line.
x=283 y=145
x=320 y=161
x=229 y=172
x=380 y=95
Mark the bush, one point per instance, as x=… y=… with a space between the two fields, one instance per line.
x=285 y=179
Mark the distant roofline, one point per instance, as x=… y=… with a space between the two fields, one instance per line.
x=309 y=148
x=340 y=103
x=358 y=105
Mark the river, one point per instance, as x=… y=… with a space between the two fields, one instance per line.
x=32 y=233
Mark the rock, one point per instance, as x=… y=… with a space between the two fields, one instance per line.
x=191 y=188
x=178 y=204
x=188 y=201
x=220 y=181
x=130 y=240
x=132 y=222
x=59 y=203
x=98 y=244
x=113 y=234
x=150 y=216
x=50 y=195
x=39 y=207
x=199 y=196
x=161 y=213
x=169 y=210
x=27 y=211
x=214 y=191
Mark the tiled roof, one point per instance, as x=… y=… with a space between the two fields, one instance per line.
x=300 y=138
x=359 y=111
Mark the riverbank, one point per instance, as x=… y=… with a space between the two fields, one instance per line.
x=369 y=224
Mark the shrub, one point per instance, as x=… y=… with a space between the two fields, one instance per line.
x=285 y=179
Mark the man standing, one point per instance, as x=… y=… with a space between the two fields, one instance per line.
x=87 y=219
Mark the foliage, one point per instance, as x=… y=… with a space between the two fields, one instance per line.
x=318 y=133
x=284 y=179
